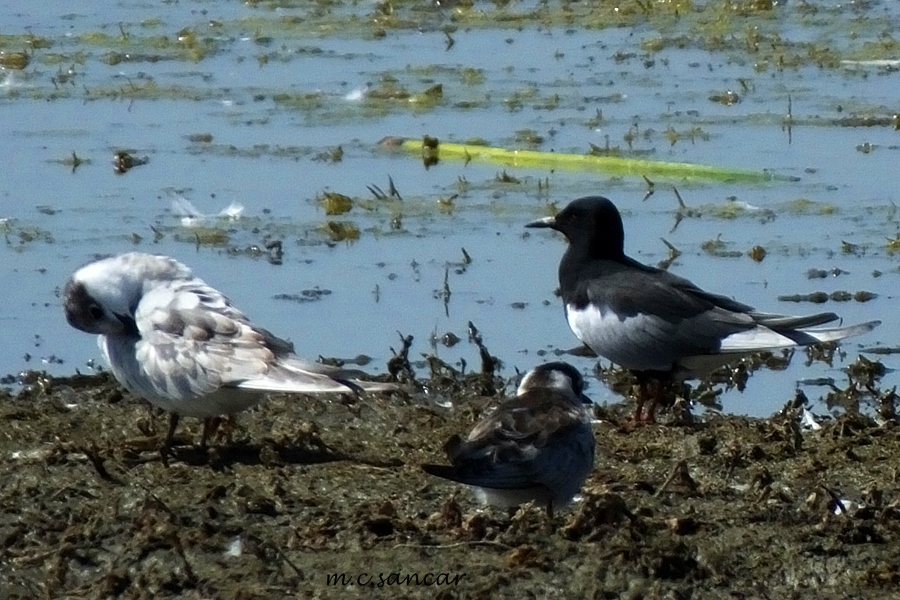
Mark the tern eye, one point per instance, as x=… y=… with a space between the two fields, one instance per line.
x=96 y=311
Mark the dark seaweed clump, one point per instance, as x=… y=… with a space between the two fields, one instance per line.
x=302 y=488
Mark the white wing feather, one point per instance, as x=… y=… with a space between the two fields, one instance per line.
x=764 y=338
x=194 y=341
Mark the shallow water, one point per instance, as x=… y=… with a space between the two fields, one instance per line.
x=271 y=120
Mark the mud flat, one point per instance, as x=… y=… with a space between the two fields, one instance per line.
x=312 y=497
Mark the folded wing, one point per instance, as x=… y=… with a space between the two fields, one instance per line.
x=532 y=440
x=194 y=341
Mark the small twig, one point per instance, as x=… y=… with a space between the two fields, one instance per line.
x=651 y=188
x=287 y=560
x=674 y=253
x=399 y=363
x=97 y=461
x=838 y=503
x=488 y=362
x=680 y=472
x=445 y=293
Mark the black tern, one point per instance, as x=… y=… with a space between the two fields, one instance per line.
x=660 y=326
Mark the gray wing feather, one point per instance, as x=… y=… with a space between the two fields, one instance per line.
x=652 y=342
x=294 y=374
x=534 y=439
x=649 y=319
x=561 y=466
x=564 y=466
x=765 y=338
x=195 y=341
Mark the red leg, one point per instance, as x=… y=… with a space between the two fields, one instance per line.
x=650 y=415
x=641 y=395
x=210 y=426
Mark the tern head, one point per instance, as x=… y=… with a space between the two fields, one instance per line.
x=592 y=223
x=559 y=376
x=102 y=297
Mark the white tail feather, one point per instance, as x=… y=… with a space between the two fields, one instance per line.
x=763 y=338
x=324 y=385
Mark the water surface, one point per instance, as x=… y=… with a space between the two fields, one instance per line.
x=251 y=103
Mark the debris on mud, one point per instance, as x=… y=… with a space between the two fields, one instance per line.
x=307 y=495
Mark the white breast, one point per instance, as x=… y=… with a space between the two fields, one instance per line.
x=633 y=343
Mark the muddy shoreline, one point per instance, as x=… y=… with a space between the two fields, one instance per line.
x=301 y=489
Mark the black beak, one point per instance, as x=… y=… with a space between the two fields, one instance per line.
x=545 y=222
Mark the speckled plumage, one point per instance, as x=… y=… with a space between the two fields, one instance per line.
x=537 y=446
x=182 y=345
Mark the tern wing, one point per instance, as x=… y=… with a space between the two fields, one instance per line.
x=291 y=373
x=195 y=341
x=531 y=440
x=648 y=320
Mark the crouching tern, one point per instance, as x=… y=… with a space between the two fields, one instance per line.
x=182 y=345
x=535 y=447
